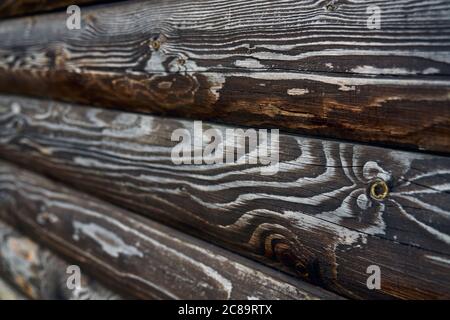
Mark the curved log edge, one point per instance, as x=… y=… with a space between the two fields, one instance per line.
x=135 y=255
x=295 y=65
x=315 y=218
x=39 y=273
x=11 y=8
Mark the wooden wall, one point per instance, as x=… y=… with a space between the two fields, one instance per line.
x=12 y=8
x=39 y=273
x=327 y=74
x=134 y=255
x=316 y=218
x=363 y=175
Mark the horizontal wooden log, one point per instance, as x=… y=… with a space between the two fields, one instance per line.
x=309 y=66
x=9 y=293
x=10 y=8
x=321 y=216
x=40 y=274
x=140 y=257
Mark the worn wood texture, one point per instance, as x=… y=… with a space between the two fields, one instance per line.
x=315 y=218
x=10 y=8
x=309 y=66
x=140 y=257
x=39 y=273
x=7 y=292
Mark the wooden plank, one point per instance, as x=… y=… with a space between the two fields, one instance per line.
x=315 y=218
x=9 y=293
x=306 y=66
x=10 y=8
x=39 y=273
x=135 y=255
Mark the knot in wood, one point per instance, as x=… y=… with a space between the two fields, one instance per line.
x=331 y=6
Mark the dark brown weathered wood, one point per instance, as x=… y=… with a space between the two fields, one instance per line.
x=39 y=273
x=10 y=8
x=305 y=66
x=135 y=255
x=315 y=218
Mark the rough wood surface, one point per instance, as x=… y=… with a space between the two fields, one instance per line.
x=135 y=255
x=7 y=292
x=10 y=8
x=315 y=218
x=309 y=66
x=39 y=273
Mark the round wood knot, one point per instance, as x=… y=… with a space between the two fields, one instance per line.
x=379 y=190
x=331 y=6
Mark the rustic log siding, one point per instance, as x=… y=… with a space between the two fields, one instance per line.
x=39 y=273
x=303 y=66
x=135 y=255
x=10 y=8
x=315 y=218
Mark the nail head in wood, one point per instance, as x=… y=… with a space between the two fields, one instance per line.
x=379 y=190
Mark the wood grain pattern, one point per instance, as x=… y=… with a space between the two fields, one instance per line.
x=315 y=218
x=39 y=273
x=10 y=8
x=304 y=66
x=137 y=256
